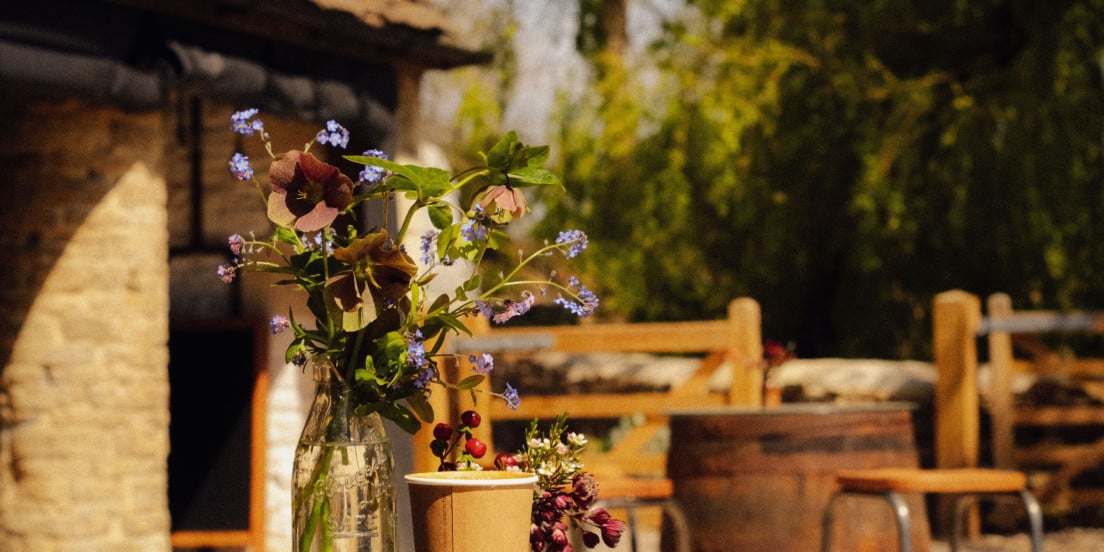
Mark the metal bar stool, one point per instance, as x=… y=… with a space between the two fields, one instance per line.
x=970 y=483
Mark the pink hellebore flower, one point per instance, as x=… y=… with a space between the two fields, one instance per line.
x=306 y=191
x=506 y=199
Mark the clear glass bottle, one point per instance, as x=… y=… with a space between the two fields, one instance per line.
x=343 y=485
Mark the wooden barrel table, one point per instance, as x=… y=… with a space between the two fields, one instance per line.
x=759 y=479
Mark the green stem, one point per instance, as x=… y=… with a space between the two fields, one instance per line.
x=312 y=525
x=506 y=280
x=318 y=509
x=327 y=534
x=465 y=177
x=407 y=220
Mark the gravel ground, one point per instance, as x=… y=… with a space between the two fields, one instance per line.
x=1065 y=540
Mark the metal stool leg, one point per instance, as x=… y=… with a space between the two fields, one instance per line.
x=679 y=523
x=1035 y=516
x=1031 y=505
x=962 y=503
x=631 y=509
x=900 y=512
x=826 y=523
x=904 y=524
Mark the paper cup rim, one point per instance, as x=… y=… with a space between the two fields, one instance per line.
x=462 y=479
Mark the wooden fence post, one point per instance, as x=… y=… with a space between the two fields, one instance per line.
x=955 y=318
x=746 y=352
x=999 y=305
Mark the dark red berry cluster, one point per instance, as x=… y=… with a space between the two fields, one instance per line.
x=446 y=438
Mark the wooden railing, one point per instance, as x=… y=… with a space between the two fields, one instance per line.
x=958 y=324
x=734 y=342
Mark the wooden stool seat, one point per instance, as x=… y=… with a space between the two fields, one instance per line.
x=945 y=481
x=968 y=483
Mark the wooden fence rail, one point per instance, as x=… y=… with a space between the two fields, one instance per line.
x=733 y=342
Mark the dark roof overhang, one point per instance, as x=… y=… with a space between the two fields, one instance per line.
x=302 y=58
x=374 y=31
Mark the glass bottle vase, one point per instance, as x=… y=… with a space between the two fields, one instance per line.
x=343 y=486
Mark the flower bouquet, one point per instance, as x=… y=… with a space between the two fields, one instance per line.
x=377 y=334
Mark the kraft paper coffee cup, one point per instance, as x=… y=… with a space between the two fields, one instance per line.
x=471 y=511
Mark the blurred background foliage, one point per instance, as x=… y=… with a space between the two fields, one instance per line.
x=840 y=162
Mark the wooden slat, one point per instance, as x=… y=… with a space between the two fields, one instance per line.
x=646 y=337
x=1060 y=415
x=1086 y=497
x=1081 y=367
x=204 y=539
x=595 y=405
x=1041 y=321
x=1050 y=454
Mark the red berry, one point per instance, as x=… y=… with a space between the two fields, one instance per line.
x=505 y=460
x=471 y=418
x=442 y=432
x=475 y=447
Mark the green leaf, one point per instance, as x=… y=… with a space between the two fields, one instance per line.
x=498 y=239
x=440 y=302
x=534 y=176
x=285 y=235
x=402 y=417
x=447 y=239
x=317 y=305
x=470 y=382
x=440 y=215
x=427 y=181
x=367 y=373
x=498 y=157
x=421 y=407
x=453 y=323
x=473 y=283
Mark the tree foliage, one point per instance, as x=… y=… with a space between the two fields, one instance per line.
x=842 y=162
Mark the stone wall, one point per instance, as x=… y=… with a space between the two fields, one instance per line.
x=113 y=226
x=83 y=387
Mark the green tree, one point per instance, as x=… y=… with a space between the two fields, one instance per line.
x=843 y=162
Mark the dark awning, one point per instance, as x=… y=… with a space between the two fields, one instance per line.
x=291 y=57
x=388 y=31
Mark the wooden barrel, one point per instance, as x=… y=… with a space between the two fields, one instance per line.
x=759 y=479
